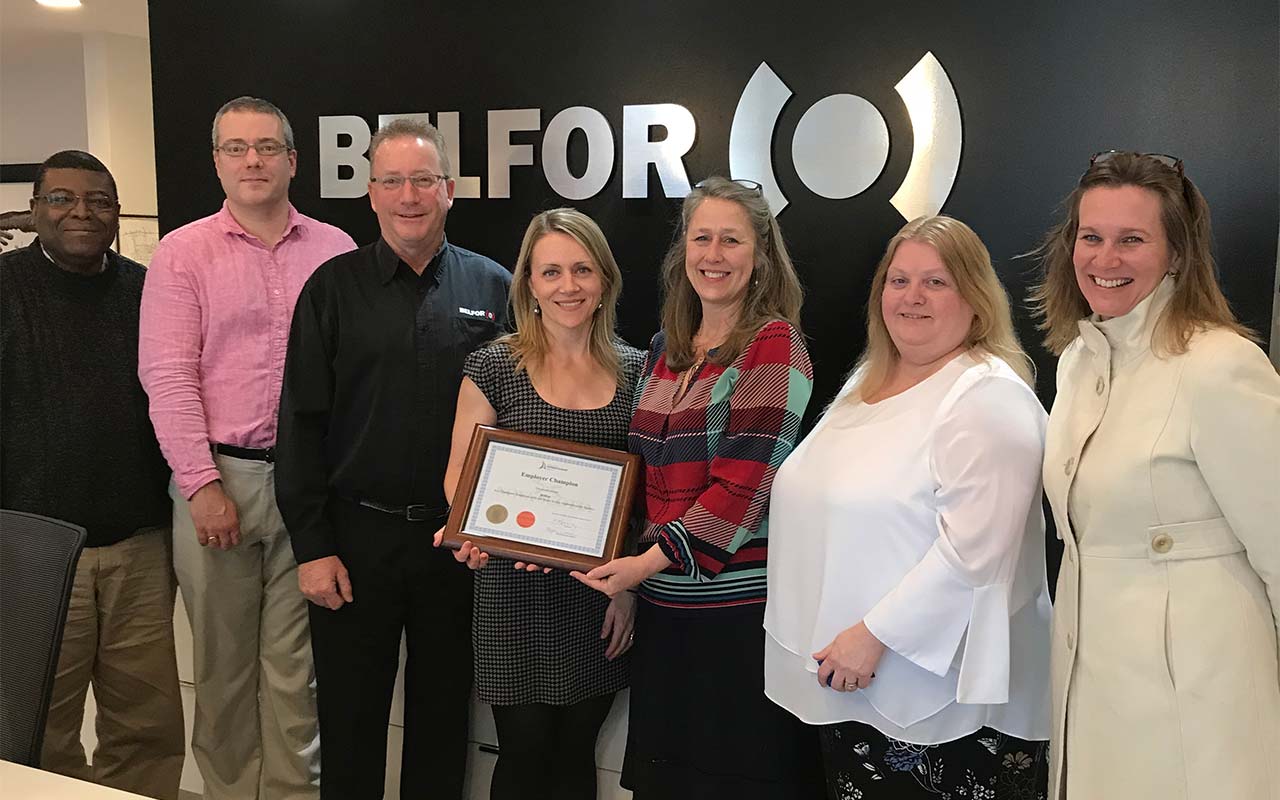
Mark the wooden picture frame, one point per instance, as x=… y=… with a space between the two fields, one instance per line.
x=546 y=501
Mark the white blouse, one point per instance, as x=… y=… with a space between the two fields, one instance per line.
x=919 y=515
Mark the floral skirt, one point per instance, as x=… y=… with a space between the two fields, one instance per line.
x=863 y=764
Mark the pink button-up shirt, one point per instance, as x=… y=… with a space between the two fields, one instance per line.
x=216 y=308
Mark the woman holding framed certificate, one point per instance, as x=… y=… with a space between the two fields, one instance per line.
x=548 y=651
x=719 y=406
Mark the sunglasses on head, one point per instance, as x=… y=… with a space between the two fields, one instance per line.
x=1172 y=162
x=743 y=182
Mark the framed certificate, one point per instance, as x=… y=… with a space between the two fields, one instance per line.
x=543 y=500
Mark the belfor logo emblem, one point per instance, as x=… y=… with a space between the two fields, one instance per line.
x=841 y=143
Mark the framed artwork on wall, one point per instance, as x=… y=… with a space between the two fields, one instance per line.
x=138 y=236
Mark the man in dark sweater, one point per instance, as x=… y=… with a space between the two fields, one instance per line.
x=76 y=444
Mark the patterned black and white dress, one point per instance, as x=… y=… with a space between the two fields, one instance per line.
x=537 y=637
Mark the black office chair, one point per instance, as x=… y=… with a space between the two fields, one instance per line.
x=38 y=559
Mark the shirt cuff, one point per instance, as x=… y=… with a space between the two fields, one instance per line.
x=959 y=616
x=984 y=667
x=674 y=542
x=191 y=482
x=313 y=546
x=924 y=617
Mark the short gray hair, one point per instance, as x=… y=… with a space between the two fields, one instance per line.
x=256 y=105
x=412 y=129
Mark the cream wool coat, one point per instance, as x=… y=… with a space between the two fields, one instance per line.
x=1164 y=476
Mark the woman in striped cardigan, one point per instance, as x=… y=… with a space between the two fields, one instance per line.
x=718 y=408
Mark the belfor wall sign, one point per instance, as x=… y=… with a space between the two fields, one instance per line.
x=839 y=150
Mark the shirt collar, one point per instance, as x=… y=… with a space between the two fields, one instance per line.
x=55 y=263
x=1128 y=335
x=230 y=225
x=387 y=260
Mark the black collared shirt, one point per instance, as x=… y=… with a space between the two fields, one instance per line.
x=371 y=382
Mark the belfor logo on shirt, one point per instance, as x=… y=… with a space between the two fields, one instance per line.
x=475 y=312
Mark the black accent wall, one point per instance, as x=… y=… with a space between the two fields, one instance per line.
x=1041 y=86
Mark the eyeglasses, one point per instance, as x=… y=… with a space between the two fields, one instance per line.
x=1172 y=162
x=267 y=148
x=743 y=182
x=62 y=200
x=425 y=181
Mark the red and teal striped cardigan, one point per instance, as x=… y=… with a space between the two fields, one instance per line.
x=709 y=463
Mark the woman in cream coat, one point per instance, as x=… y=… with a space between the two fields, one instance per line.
x=1163 y=468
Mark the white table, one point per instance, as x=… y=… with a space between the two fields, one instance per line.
x=24 y=783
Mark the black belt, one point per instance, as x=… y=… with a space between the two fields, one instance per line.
x=415 y=512
x=249 y=453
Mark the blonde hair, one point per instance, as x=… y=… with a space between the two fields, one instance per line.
x=969 y=263
x=529 y=343
x=773 y=293
x=1197 y=302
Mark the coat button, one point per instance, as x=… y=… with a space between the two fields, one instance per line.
x=1162 y=543
x=1071 y=642
x=1102 y=385
x=1070 y=465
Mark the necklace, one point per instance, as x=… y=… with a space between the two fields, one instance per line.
x=686 y=378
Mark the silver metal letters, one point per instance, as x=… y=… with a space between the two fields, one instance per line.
x=839 y=150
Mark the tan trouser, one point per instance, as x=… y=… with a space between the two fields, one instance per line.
x=255 y=732
x=119 y=637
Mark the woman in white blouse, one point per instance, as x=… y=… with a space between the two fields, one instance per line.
x=908 y=610
x=1163 y=467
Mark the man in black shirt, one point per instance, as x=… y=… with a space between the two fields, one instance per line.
x=76 y=444
x=366 y=415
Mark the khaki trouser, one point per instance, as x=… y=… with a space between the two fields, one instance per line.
x=255 y=733
x=119 y=637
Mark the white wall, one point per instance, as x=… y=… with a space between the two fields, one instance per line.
x=42 y=95
x=61 y=91
x=118 y=115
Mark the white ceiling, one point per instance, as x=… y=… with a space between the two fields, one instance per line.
x=128 y=17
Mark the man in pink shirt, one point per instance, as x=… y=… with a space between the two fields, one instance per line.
x=216 y=309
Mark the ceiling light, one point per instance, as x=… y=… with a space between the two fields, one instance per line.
x=60 y=3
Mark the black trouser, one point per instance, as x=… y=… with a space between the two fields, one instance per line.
x=548 y=752
x=400 y=583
